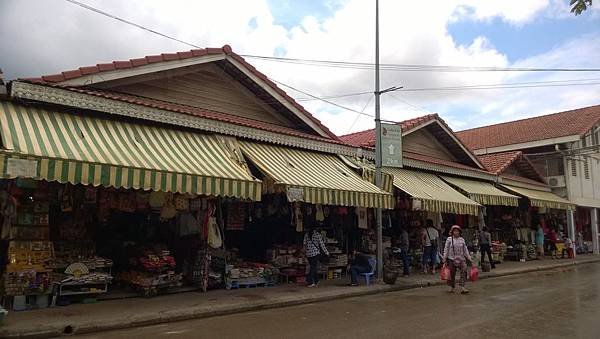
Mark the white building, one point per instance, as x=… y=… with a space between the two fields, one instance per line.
x=564 y=148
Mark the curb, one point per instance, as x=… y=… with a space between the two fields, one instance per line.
x=175 y=315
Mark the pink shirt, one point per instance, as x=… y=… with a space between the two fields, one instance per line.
x=456 y=247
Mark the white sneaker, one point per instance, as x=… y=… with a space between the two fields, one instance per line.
x=464 y=291
x=450 y=289
x=312 y=285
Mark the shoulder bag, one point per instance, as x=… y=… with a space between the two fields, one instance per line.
x=323 y=257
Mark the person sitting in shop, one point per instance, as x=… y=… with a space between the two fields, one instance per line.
x=314 y=246
x=485 y=244
x=568 y=248
x=360 y=264
x=430 y=239
x=457 y=256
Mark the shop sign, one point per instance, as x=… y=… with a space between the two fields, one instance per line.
x=295 y=194
x=21 y=168
x=391 y=145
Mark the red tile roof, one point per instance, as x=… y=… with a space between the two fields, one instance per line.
x=574 y=122
x=116 y=65
x=199 y=112
x=498 y=162
x=367 y=138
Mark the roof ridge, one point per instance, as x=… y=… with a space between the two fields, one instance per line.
x=355 y=133
x=525 y=119
x=429 y=115
x=165 y=57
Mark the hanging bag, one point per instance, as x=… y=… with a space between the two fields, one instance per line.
x=474 y=274
x=445 y=272
x=322 y=256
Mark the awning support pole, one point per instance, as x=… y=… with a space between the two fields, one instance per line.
x=594 y=225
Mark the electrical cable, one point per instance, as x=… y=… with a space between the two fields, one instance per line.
x=346 y=64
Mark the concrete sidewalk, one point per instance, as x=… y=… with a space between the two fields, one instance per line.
x=125 y=313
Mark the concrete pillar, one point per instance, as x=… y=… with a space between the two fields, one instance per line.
x=594 y=225
x=571 y=225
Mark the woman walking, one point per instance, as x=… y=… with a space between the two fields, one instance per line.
x=456 y=256
x=314 y=246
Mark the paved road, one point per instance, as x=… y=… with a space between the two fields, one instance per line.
x=562 y=303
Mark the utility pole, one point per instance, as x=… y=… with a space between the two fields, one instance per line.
x=378 y=155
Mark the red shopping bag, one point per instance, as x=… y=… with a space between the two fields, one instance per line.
x=445 y=272
x=474 y=274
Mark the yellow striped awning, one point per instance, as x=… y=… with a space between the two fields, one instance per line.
x=540 y=198
x=367 y=170
x=484 y=193
x=80 y=149
x=314 y=177
x=430 y=193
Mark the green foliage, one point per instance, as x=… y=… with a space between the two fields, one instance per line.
x=579 y=6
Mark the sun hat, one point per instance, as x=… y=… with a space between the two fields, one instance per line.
x=455 y=227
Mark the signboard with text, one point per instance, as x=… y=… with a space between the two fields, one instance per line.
x=391 y=145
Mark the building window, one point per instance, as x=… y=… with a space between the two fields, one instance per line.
x=595 y=138
x=586 y=167
x=573 y=167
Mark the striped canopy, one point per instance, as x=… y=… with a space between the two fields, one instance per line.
x=483 y=192
x=430 y=193
x=316 y=178
x=80 y=149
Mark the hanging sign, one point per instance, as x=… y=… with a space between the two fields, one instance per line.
x=295 y=194
x=391 y=145
x=21 y=168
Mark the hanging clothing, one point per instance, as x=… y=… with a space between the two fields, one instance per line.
x=361 y=213
x=236 y=216
x=298 y=217
x=319 y=216
x=187 y=224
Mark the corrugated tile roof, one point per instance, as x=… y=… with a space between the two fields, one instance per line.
x=573 y=122
x=125 y=64
x=498 y=162
x=367 y=138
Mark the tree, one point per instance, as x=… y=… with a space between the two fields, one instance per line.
x=578 y=6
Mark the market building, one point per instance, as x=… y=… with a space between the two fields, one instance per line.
x=563 y=147
x=170 y=172
x=444 y=181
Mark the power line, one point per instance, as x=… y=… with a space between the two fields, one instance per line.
x=409 y=104
x=526 y=84
x=346 y=64
x=492 y=87
x=358 y=115
x=93 y=9
x=321 y=99
x=413 y=67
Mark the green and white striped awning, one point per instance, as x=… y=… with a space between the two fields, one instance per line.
x=539 y=198
x=483 y=192
x=314 y=177
x=430 y=193
x=80 y=149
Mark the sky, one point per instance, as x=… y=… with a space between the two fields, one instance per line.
x=45 y=37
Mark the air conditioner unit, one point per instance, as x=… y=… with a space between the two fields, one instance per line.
x=556 y=181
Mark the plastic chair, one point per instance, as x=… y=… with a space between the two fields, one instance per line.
x=368 y=275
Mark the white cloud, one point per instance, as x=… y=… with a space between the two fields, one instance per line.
x=514 y=12
x=61 y=36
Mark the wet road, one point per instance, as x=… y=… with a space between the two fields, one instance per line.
x=562 y=303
